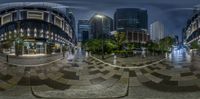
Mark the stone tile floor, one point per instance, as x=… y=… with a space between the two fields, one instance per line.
x=131 y=61
x=93 y=79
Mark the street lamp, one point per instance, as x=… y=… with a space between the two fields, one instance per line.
x=102 y=35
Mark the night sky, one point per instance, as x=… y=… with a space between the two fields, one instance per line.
x=172 y=13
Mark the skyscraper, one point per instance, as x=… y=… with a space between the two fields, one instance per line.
x=99 y=26
x=156 y=31
x=83 y=30
x=131 y=18
x=134 y=22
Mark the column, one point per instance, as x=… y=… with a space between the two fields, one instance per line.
x=45 y=48
x=61 y=47
x=22 y=49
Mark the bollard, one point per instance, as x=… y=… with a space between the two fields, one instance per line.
x=115 y=60
x=86 y=54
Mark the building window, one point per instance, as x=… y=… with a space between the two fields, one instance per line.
x=14 y=16
x=6 y=18
x=58 y=21
x=15 y=33
x=35 y=15
x=46 y=16
x=41 y=34
x=32 y=47
x=67 y=28
x=10 y=34
x=21 y=32
x=35 y=32
x=47 y=34
x=28 y=32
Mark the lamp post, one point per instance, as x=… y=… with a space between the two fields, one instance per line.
x=102 y=34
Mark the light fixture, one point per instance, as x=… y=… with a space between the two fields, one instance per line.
x=35 y=32
x=21 y=30
x=99 y=16
x=28 y=30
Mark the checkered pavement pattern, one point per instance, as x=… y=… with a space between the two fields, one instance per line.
x=64 y=76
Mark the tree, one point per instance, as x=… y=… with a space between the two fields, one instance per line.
x=119 y=37
x=19 y=43
x=93 y=45
x=152 y=47
x=109 y=45
x=194 y=45
x=166 y=43
x=130 y=46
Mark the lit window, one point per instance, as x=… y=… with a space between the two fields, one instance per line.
x=58 y=21
x=28 y=31
x=6 y=18
x=15 y=33
x=35 y=32
x=47 y=34
x=21 y=32
x=52 y=35
x=35 y=15
x=10 y=34
x=41 y=33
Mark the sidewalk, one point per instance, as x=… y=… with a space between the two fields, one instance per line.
x=30 y=61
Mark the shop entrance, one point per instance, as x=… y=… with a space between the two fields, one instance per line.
x=34 y=48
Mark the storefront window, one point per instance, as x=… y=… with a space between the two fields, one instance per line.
x=34 y=48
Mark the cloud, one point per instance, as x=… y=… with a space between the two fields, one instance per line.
x=179 y=9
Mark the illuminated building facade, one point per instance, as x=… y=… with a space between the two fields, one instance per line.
x=35 y=28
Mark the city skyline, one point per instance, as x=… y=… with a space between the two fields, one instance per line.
x=99 y=49
x=173 y=14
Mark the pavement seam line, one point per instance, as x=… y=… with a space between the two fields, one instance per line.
x=127 y=67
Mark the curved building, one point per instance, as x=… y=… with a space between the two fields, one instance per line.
x=35 y=28
x=192 y=29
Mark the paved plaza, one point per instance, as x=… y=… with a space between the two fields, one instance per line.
x=89 y=78
x=133 y=61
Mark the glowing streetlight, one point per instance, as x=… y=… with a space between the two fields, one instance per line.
x=99 y=16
